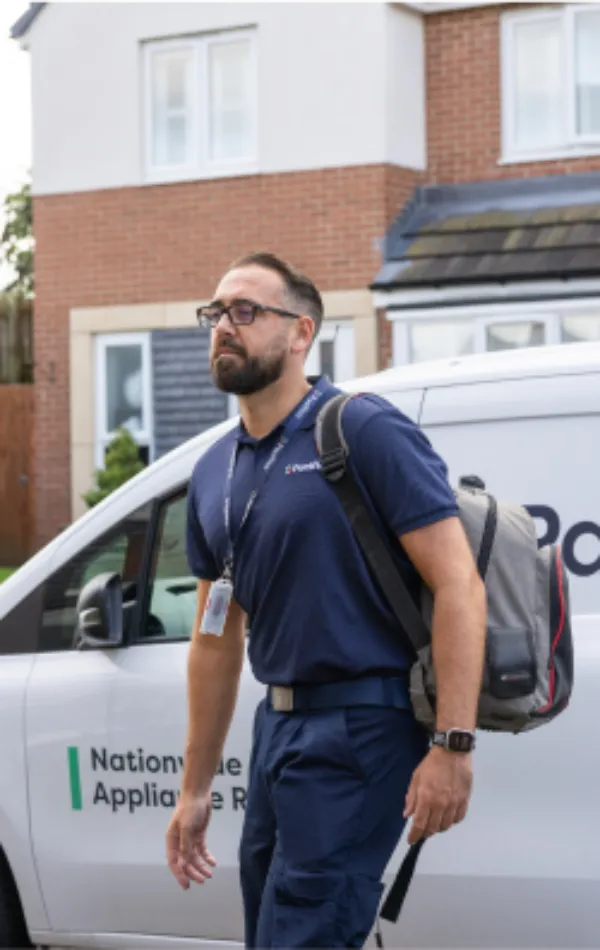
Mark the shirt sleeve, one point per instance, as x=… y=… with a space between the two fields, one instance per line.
x=393 y=458
x=200 y=559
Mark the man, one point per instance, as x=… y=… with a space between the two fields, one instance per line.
x=331 y=786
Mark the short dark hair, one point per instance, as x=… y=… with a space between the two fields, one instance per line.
x=301 y=292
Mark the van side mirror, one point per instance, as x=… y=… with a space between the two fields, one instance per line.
x=99 y=613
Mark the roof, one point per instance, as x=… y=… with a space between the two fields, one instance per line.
x=21 y=27
x=512 y=230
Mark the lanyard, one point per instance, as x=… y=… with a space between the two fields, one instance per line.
x=290 y=427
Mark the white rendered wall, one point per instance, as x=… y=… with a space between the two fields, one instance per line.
x=339 y=84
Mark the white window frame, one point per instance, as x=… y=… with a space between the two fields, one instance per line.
x=328 y=333
x=186 y=169
x=201 y=165
x=573 y=145
x=101 y=436
x=550 y=312
x=550 y=321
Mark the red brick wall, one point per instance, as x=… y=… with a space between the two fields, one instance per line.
x=172 y=242
x=463 y=101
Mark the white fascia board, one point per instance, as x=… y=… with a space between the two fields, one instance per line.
x=430 y=6
x=397 y=301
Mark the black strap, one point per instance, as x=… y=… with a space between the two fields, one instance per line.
x=487 y=540
x=333 y=450
x=399 y=889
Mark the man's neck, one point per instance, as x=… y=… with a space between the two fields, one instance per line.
x=263 y=411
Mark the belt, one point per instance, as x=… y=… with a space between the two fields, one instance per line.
x=369 y=691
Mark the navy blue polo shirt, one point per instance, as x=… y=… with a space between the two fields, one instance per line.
x=315 y=612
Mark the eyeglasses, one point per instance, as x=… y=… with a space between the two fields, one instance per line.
x=240 y=313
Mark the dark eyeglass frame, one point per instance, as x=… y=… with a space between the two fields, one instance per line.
x=210 y=315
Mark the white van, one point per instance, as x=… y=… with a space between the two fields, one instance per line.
x=92 y=739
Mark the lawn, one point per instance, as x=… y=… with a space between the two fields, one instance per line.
x=5 y=572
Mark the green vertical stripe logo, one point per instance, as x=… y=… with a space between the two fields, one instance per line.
x=75 y=778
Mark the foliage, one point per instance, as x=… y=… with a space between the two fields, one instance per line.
x=122 y=463
x=16 y=332
x=16 y=240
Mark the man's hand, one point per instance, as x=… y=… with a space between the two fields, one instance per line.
x=187 y=854
x=438 y=795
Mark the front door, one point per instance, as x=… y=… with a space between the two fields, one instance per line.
x=146 y=738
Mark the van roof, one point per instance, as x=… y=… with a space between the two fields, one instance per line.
x=574 y=358
x=571 y=358
x=159 y=477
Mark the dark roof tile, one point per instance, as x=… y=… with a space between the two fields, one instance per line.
x=509 y=231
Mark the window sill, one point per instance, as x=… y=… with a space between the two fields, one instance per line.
x=556 y=155
x=168 y=177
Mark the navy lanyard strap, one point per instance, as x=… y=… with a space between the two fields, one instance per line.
x=291 y=426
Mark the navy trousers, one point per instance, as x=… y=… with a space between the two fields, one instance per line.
x=324 y=812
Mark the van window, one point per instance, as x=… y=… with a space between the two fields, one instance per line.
x=172 y=588
x=120 y=550
x=19 y=629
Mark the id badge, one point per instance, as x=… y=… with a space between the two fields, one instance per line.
x=217 y=605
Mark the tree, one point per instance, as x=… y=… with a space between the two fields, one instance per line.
x=122 y=463
x=16 y=240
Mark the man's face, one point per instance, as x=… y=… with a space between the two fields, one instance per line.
x=246 y=359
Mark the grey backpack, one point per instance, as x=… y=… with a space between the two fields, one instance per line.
x=528 y=670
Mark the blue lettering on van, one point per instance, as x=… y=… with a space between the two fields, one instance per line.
x=571 y=536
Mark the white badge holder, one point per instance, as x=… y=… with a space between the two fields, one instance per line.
x=217 y=605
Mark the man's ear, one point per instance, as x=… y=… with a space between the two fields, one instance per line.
x=303 y=337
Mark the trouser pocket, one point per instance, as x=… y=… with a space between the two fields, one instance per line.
x=323 y=909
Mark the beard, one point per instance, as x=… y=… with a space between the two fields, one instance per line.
x=235 y=372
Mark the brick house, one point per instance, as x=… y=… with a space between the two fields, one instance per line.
x=410 y=157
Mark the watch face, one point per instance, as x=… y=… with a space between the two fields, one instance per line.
x=460 y=741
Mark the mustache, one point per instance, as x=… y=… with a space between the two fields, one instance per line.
x=228 y=346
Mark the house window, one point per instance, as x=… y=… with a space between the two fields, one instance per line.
x=333 y=352
x=580 y=329
x=513 y=336
x=201 y=102
x=123 y=391
x=172 y=108
x=440 y=339
x=437 y=337
x=551 y=82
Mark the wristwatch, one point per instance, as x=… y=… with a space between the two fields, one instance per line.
x=455 y=740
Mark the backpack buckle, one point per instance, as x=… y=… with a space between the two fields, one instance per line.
x=333 y=464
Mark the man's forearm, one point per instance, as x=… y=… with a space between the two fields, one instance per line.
x=458 y=643
x=213 y=681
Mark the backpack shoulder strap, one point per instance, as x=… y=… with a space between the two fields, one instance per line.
x=334 y=451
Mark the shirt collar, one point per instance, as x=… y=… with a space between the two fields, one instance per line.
x=307 y=423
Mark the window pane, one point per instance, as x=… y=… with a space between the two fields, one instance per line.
x=439 y=340
x=327 y=354
x=587 y=72
x=173 y=588
x=580 y=329
x=124 y=390
x=512 y=336
x=121 y=551
x=171 y=107
x=176 y=139
x=538 y=82
x=230 y=100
